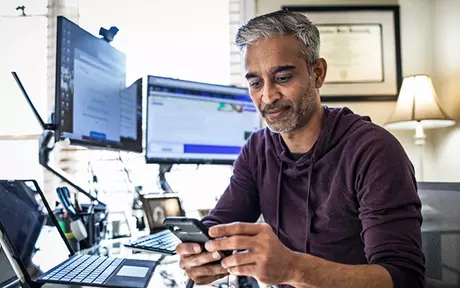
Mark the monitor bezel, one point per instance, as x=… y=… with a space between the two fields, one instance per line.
x=138 y=144
x=182 y=160
x=193 y=161
x=57 y=107
x=8 y=241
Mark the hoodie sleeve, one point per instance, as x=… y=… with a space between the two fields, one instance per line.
x=240 y=201
x=390 y=209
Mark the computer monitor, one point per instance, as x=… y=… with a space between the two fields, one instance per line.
x=93 y=106
x=192 y=122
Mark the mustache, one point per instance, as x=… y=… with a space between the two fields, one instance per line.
x=277 y=105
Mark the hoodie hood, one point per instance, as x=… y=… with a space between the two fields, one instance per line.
x=338 y=124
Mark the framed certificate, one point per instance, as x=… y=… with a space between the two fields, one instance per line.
x=361 y=45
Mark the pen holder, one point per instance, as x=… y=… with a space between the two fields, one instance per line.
x=74 y=243
x=95 y=221
x=65 y=226
x=78 y=230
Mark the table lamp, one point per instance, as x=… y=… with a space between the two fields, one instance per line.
x=417 y=109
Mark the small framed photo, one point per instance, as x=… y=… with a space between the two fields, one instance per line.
x=361 y=45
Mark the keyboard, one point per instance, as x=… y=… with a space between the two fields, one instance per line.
x=163 y=242
x=83 y=269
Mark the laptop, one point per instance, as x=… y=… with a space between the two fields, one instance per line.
x=161 y=240
x=39 y=252
x=7 y=276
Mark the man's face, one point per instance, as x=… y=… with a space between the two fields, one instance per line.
x=280 y=84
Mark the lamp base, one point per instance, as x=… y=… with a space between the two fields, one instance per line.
x=419 y=138
x=419 y=141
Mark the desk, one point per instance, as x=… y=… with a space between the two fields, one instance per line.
x=115 y=248
x=166 y=274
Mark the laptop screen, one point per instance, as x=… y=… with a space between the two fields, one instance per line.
x=157 y=208
x=31 y=232
x=6 y=271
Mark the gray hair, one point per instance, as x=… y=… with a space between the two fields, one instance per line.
x=282 y=23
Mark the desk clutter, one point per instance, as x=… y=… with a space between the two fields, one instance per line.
x=84 y=225
x=38 y=248
x=73 y=226
x=36 y=241
x=163 y=242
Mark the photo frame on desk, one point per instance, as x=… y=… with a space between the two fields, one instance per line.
x=362 y=47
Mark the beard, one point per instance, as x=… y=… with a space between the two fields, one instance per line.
x=294 y=115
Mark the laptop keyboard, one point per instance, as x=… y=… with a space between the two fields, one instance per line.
x=83 y=269
x=164 y=242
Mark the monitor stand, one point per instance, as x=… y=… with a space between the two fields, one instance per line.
x=46 y=146
x=164 y=185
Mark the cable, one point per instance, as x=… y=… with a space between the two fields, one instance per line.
x=162 y=257
x=168 y=280
x=137 y=202
x=137 y=189
x=93 y=181
x=190 y=283
x=124 y=167
x=130 y=181
x=161 y=179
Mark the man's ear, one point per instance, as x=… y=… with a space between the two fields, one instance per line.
x=320 y=70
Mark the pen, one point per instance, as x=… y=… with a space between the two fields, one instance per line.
x=77 y=204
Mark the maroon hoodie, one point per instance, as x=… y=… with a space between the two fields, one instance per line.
x=351 y=199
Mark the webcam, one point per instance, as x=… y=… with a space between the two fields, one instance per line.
x=109 y=34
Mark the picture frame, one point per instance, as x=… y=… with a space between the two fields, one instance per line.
x=362 y=47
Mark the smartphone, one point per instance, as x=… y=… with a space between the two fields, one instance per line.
x=190 y=230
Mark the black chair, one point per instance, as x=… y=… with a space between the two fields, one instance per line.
x=441 y=232
x=433 y=283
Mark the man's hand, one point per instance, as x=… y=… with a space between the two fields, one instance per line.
x=197 y=263
x=264 y=258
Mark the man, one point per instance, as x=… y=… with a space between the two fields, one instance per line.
x=337 y=192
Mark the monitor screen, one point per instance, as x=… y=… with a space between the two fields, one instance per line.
x=191 y=122
x=34 y=237
x=93 y=106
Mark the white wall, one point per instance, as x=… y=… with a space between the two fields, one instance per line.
x=416 y=50
x=446 y=78
x=22 y=49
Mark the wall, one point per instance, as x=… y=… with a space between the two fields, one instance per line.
x=25 y=53
x=446 y=66
x=416 y=50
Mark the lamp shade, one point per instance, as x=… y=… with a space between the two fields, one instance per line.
x=418 y=104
